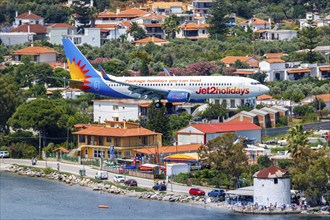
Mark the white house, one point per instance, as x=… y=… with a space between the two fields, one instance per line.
x=92 y=36
x=37 y=54
x=10 y=39
x=272 y=186
x=27 y=18
x=256 y=24
x=276 y=34
x=58 y=30
x=274 y=68
x=324 y=97
x=322 y=73
x=167 y=8
x=201 y=7
x=193 y=31
x=202 y=133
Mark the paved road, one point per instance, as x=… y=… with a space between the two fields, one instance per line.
x=90 y=172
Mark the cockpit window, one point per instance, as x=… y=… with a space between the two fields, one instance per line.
x=255 y=83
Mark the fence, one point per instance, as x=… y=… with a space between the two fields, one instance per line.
x=129 y=172
x=269 y=132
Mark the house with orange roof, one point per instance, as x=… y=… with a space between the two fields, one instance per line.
x=193 y=31
x=58 y=30
x=256 y=24
x=27 y=18
x=147 y=40
x=95 y=142
x=324 y=97
x=323 y=72
x=274 y=68
x=108 y=17
x=275 y=35
x=230 y=60
x=202 y=133
x=273 y=55
x=37 y=54
x=39 y=31
x=167 y=8
x=152 y=24
x=297 y=73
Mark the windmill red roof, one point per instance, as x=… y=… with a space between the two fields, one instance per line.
x=271 y=173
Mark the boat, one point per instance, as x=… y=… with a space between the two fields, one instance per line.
x=103 y=206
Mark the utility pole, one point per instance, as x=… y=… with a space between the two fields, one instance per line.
x=39 y=144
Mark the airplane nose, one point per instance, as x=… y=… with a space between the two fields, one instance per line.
x=265 y=89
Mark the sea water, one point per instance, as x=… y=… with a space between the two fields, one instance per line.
x=23 y=197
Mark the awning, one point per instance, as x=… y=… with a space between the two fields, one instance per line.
x=182 y=157
x=300 y=71
x=61 y=149
x=244 y=191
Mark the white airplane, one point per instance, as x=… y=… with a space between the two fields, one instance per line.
x=170 y=88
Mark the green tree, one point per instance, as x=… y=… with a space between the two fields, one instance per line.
x=158 y=121
x=11 y=96
x=136 y=31
x=218 y=19
x=240 y=65
x=214 y=111
x=41 y=115
x=318 y=104
x=264 y=162
x=84 y=13
x=259 y=76
x=226 y=155
x=297 y=142
x=309 y=38
x=302 y=110
x=171 y=26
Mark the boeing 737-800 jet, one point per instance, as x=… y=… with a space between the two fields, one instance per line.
x=170 y=88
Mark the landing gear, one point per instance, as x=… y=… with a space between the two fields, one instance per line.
x=158 y=104
x=169 y=107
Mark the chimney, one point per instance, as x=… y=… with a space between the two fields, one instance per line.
x=124 y=120
x=16 y=13
x=117 y=10
x=29 y=12
x=28 y=27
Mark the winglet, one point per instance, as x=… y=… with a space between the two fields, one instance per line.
x=165 y=70
x=104 y=74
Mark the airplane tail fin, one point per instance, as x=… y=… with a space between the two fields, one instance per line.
x=80 y=68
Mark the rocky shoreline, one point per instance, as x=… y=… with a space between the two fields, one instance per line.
x=108 y=187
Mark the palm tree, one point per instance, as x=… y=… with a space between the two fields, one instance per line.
x=297 y=141
x=171 y=26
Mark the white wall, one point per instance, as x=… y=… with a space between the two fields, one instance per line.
x=105 y=111
x=266 y=191
x=10 y=39
x=47 y=57
x=55 y=35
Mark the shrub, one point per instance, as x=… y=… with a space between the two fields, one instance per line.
x=48 y=170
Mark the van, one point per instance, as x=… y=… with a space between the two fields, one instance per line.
x=101 y=175
x=4 y=154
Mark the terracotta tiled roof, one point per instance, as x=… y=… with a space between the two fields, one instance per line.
x=125 y=23
x=253 y=64
x=154 y=16
x=106 y=26
x=255 y=21
x=225 y=127
x=324 y=97
x=34 y=51
x=243 y=72
x=260 y=31
x=166 y=4
x=27 y=15
x=275 y=61
x=35 y=28
x=133 y=12
x=232 y=59
x=151 y=39
x=274 y=55
x=299 y=71
x=264 y=97
x=325 y=68
x=271 y=173
x=193 y=26
x=170 y=149
x=116 y=132
x=106 y=14
x=61 y=25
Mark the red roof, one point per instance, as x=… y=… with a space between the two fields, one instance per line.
x=35 y=28
x=271 y=173
x=225 y=127
x=61 y=25
x=34 y=51
x=151 y=39
x=29 y=15
x=116 y=132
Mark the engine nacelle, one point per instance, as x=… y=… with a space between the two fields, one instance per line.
x=178 y=96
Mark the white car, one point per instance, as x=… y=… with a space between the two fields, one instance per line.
x=101 y=175
x=119 y=178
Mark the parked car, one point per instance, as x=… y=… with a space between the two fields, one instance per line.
x=196 y=192
x=119 y=178
x=130 y=182
x=4 y=154
x=101 y=175
x=216 y=193
x=160 y=187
